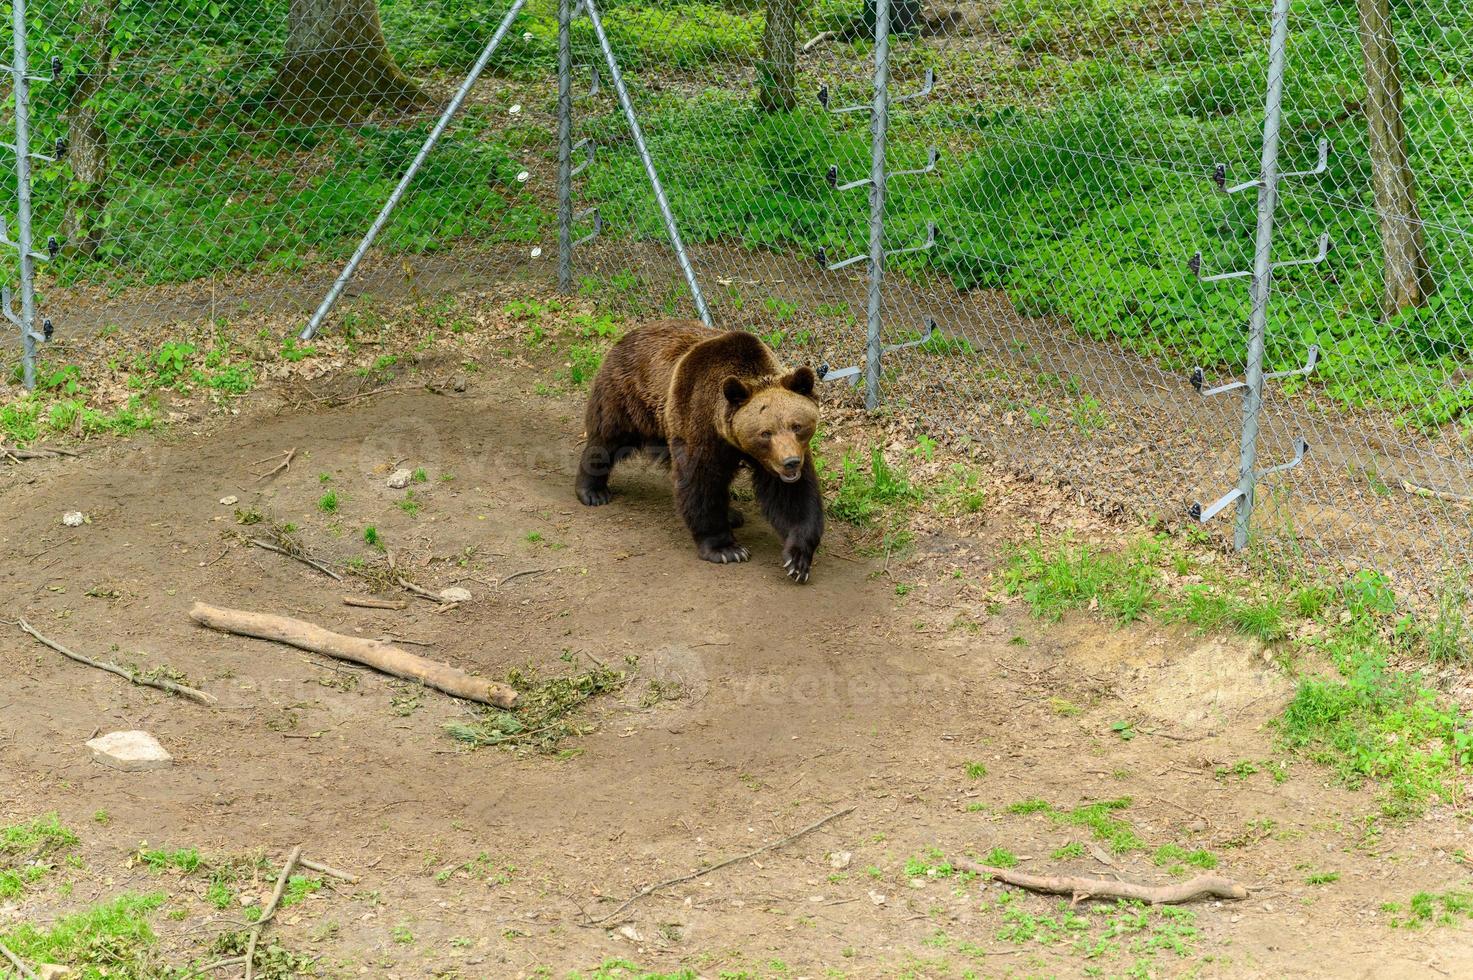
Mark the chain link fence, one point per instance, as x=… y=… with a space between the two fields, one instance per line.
x=1065 y=182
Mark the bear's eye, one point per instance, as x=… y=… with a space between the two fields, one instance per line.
x=767 y=435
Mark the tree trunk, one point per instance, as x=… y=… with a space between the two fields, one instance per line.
x=337 y=64
x=777 y=72
x=86 y=149
x=1407 y=280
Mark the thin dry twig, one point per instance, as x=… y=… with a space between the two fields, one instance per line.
x=1080 y=888
x=16 y=962
x=329 y=870
x=1431 y=494
x=363 y=602
x=269 y=910
x=651 y=889
x=305 y=559
x=517 y=575
x=133 y=676
x=35 y=452
x=281 y=467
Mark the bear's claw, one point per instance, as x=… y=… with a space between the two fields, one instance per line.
x=728 y=555
x=798 y=565
x=594 y=498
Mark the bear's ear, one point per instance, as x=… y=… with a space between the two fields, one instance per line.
x=736 y=391
x=800 y=382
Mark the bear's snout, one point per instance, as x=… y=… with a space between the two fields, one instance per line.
x=792 y=469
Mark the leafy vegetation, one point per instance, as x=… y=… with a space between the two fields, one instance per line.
x=29 y=851
x=546 y=710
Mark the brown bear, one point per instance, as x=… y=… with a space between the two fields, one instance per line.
x=711 y=401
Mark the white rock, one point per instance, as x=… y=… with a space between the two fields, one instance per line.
x=630 y=933
x=74 y=518
x=130 y=751
x=52 y=971
x=877 y=898
x=229 y=501
x=399 y=479
x=840 y=859
x=455 y=594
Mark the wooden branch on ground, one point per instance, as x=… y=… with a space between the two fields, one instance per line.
x=328 y=870
x=1427 y=493
x=817 y=39
x=382 y=657
x=16 y=962
x=1080 y=888
x=281 y=467
x=129 y=675
x=364 y=602
x=307 y=560
x=36 y=452
x=270 y=910
x=651 y=889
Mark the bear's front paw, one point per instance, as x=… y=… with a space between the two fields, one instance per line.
x=595 y=496
x=724 y=554
x=798 y=561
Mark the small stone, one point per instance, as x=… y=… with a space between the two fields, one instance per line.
x=229 y=501
x=839 y=860
x=877 y=898
x=630 y=933
x=399 y=479
x=130 y=751
x=455 y=594
x=458 y=383
x=74 y=518
x=52 y=971
x=918 y=883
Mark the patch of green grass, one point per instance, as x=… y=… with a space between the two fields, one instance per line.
x=186 y=860
x=1209 y=609
x=1322 y=878
x=931 y=863
x=410 y=504
x=1000 y=857
x=1097 y=817
x=864 y=494
x=420 y=476
x=29 y=852
x=1071 y=851
x=546 y=712
x=1055 y=580
x=328 y=502
x=1178 y=858
x=372 y=538
x=298 y=887
x=1428 y=908
x=110 y=940
x=976 y=770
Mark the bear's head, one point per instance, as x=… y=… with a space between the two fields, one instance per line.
x=773 y=421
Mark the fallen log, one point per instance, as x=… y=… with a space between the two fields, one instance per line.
x=384 y=657
x=1080 y=888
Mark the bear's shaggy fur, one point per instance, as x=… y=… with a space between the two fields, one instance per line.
x=712 y=401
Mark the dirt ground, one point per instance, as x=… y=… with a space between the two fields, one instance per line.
x=755 y=708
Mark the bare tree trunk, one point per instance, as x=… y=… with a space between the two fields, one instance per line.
x=1407 y=279
x=87 y=148
x=777 y=72
x=337 y=64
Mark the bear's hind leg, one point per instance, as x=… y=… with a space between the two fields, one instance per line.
x=599 y=458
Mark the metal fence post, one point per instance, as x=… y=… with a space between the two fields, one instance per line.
x=649 y=164
x=564 y=146
x=24 y=235
x=879 y=128
x=339 y=284
x=1268 y=193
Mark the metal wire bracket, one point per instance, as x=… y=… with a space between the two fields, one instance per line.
x=1219 y=172
x=53 y=247
x=932 y=156
x=598 y=225
x=851 y=374
x=587 y=145
x=929 y=243
x=1204 y=514
x=927 y=87
x=1198 y=376
x=1195 y=264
